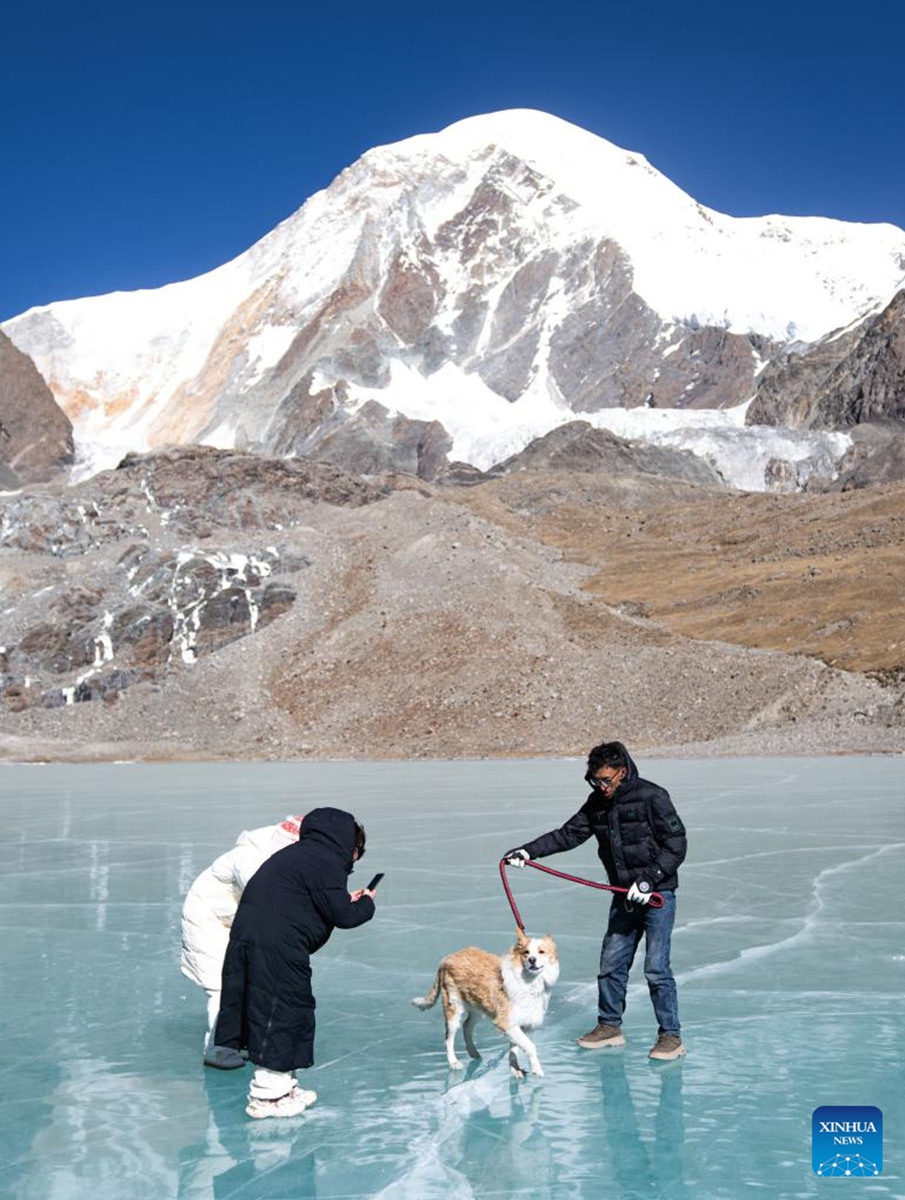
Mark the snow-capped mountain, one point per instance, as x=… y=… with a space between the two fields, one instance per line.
x=460 y=293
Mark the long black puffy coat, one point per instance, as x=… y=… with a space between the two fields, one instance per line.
x=290 y=907
x=640 y=836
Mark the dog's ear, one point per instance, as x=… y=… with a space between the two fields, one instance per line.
x=521 y=938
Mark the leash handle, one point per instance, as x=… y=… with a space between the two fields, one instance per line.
x=656 y=900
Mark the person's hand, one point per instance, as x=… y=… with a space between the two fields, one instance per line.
x=353 y=896
x=639 y=892
x=366 y=892
x=516 y=858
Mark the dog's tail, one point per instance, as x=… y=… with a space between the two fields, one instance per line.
x=430 y=999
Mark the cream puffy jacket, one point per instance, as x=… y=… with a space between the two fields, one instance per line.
x=213 y=898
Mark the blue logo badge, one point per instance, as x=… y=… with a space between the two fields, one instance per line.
x=847 y=1140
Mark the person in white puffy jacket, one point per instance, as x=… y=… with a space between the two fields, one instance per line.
x=207 y=917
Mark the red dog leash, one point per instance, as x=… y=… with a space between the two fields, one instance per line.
x=656 y=900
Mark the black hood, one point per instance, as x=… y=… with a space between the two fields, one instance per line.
x=629 y=763
x=331 y=828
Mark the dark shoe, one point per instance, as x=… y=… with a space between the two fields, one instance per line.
x=601 y=1037
x=667 y=1047
x=224 y=1058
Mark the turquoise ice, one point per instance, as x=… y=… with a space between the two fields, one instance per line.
x=789 y=953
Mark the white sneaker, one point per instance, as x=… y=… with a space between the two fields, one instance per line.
x=290 y=1105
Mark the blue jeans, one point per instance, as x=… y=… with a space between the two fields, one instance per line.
x=628 y=923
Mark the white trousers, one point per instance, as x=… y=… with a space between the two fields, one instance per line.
x=270 y=1085
x=213 y=1011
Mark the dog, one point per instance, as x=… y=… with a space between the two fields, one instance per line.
x=512 y=989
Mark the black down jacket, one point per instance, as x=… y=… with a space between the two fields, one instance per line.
x=291 y=905
x=639 y=833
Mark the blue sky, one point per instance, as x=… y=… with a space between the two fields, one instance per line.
x=143 y=144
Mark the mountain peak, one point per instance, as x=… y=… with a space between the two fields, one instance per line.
x=528 y=132
x=580 y=163
x=491 y=280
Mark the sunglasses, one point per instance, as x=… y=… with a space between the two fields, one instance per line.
x=600 y=784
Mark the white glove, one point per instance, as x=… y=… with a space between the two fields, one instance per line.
x=516 y=858
x=639 y=893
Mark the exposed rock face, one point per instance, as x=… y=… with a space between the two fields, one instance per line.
x=843 y=380
x=613 y=351
x=365 y=442
x=35 y=434
x=371 y=441
x=155 y=602
x=877 y=456
x=579 y=447
x=197 y=483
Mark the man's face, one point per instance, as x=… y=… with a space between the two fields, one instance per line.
x=607 y=779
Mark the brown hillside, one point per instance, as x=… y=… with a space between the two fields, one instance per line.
x=821 y=575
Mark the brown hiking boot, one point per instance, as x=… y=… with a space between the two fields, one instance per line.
x=601 y=1037
x=667 y=1047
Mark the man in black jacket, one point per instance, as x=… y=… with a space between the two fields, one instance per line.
x=288 y=910
x=641 y=843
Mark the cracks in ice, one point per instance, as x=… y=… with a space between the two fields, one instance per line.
x=809 y=921
x=483 y=1090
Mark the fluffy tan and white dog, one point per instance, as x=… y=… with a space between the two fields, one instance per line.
x=512 y=989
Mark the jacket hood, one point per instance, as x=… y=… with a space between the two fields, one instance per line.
x=286 y=833
x=259 y=839
x=331 y=828
x=629 y=762
x=270 y=838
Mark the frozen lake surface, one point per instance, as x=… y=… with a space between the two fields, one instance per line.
x=789 y=954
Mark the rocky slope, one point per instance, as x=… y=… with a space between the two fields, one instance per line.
x=35 y=435
x=847 y=378
x=202 y=603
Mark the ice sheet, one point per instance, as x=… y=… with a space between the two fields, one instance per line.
x=789 y=952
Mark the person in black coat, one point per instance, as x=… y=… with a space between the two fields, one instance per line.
x=641 y=842
x=288 y=910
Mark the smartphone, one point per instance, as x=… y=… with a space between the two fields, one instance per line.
x=374 y=882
